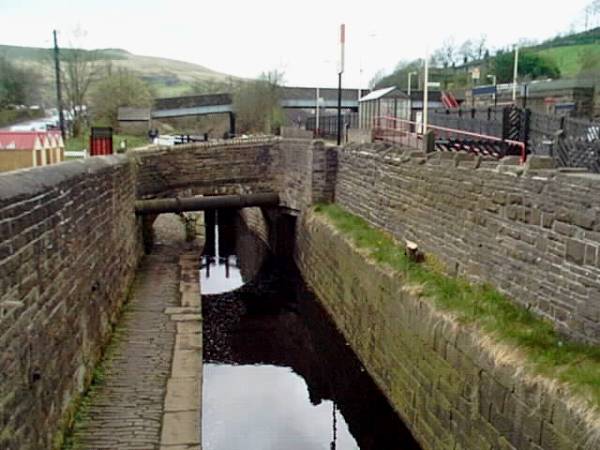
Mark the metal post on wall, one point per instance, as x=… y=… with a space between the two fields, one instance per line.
x=515 y=75
x=231 y=124
x=426 y=94
x=61 y=115
x=317 y=116
x=339 y=112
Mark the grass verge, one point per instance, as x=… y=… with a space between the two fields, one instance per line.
x=549 y=353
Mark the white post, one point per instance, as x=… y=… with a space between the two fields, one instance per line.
x=409 y=77
x=426 y=95
x=515 y=75
x=317 y=119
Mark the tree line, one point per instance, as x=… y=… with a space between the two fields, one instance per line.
x=453 y=66
x=90 y=84
x=93 y=91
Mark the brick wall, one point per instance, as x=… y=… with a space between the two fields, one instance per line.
x=534 y=236
x=453 y=387
x=69 y=249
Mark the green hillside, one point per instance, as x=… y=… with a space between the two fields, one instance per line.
x=168 y=77
x=575 y=56
x=570 y=58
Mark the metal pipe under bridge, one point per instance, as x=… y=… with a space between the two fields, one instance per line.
x=183 y=204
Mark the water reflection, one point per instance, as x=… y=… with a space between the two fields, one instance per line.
x=220 y=267
x=281 y=422
x=279 y=375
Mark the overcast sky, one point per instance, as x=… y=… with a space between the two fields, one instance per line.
x=244 y=38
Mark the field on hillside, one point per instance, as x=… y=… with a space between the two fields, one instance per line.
x=569 y=58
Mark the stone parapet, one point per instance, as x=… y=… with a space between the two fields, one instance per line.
x=69 y=248
x=532 y=232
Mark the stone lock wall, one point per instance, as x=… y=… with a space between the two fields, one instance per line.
x=69 y=248
x=535 y=237
x=453 y=387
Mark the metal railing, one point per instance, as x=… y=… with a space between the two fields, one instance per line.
x=409 y=133
x=328 y=124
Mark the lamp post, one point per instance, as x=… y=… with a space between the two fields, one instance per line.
x=340 y=72
x=515 y=75
x=61 y=115
x=426 y=95
x=410 y=74
x=494 y=81
x=317 y=116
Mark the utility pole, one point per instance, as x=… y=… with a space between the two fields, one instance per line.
x=339 y=114
x=410 y=74
x=426 y=95
x=61 y=116
x=317 y=118
x=515 y=75
x=495 y=82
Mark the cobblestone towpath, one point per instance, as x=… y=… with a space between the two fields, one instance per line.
x=149 y=393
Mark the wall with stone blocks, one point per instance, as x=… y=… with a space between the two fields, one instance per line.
x=69 y=249
x=306 y=172
x=223 y=167
x=301 y=170
x=454 y=388
x=296 y=133
x=535 y=235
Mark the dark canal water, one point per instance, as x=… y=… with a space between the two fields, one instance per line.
x=277 y=373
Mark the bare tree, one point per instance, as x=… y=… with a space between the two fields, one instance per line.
x=120 y=88
x=480 y=46
x=445 y=55
x=376 y=79
x=467 y=51
x=256 y=103
x=79 y=69
x=590 y=15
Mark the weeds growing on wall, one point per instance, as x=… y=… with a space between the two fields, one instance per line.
x=549 y=353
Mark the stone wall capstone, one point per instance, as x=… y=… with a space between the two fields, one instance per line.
x=69 y=248
x=535 y=235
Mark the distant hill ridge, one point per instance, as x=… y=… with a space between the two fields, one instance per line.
x=169 y=77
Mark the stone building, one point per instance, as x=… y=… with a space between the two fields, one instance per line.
x=134 y=120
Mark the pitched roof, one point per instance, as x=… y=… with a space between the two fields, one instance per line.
x=29 y=140
x=25 y=140
x=375 y=95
